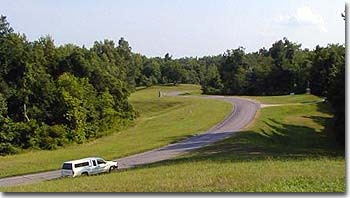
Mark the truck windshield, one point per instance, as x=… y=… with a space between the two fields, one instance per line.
x=67 y=166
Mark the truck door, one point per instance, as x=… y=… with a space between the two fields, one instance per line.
x=101 y=165
x=94 y=168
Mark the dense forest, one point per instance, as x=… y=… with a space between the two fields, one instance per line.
x=51 y=95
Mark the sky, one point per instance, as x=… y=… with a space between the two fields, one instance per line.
x=180 y=27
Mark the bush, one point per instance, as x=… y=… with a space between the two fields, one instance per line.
x=51 y=137
x=7 y=148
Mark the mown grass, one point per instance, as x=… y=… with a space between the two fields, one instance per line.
x=161 y=121
x=300 y=98
x=287 y=149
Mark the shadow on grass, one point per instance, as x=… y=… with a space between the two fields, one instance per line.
x=282 y=142
x=177 y=138
x=324 y=107
x=156 y=107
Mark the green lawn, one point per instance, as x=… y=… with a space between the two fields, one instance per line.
x=300 y=98
x=162 y=121
x=287 y=149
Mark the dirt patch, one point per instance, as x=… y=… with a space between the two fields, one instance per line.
x=175 y=93
x=271 y=105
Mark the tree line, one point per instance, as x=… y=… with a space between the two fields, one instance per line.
x=51 y=95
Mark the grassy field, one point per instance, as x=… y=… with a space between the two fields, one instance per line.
x=301 y=98
x=287 y=149
x=162 y=121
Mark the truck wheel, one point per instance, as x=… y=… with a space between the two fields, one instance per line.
x=111 y=168
x=85 y=174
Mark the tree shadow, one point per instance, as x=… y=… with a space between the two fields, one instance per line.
x=282 y=142
x=176 y=138
x=196 y=141
x=324 y=107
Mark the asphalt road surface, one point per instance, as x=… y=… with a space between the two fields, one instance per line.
x=243 y=113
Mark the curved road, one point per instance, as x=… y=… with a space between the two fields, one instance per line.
x=243 y=113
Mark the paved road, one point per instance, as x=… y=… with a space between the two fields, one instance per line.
x=242 y=114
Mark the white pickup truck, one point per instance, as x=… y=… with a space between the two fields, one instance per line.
x=87 y=166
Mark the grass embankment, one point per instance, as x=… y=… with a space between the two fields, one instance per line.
x=285 y=150
x=292 y=99
x=162 y=121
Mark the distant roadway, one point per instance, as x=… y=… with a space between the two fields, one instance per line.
x=242 y=114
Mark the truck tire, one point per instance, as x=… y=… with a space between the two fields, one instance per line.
x=112 y=168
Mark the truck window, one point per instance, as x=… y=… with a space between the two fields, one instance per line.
x=99 y=161
x=94 y=162
x=81 y=164
x=67 y=166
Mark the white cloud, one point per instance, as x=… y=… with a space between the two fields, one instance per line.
x=304 y=16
